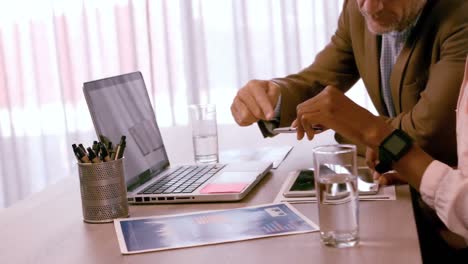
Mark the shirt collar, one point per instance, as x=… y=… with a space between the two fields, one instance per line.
x=404 y=33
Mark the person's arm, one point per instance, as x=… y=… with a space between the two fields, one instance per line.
x=446 y=190
x=332 y=109
x=442 y=187
x=334 y=65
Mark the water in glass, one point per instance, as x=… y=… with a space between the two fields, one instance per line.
x=338 y=210
x=205 y=148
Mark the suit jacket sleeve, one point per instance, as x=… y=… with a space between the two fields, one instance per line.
x=334 y=65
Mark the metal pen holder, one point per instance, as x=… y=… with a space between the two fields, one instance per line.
x=103 y=191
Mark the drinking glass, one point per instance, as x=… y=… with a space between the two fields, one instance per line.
x=204 y=133
x=335 y=172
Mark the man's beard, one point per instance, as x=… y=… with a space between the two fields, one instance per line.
x=407 y=20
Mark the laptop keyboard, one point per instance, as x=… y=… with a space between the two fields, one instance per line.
x=185 y=179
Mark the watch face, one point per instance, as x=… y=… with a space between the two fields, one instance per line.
x=394 y=145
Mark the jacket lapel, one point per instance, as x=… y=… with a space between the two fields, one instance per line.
x=398 y=72
x=399 y=69
x=373 y=69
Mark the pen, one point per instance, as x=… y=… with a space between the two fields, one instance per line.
x=121 y=152
x=82 y=155
x=109 y=146
x=92 y=156
x=82 y=147
x=115 y=155
x=104 y=140
x=294 y=130
x=75 y=151
x=113 y=151
x=123 y=143
x=122 y=140
x=103 y=154
x=95 y=147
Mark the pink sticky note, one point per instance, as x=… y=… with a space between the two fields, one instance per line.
x=223 y=188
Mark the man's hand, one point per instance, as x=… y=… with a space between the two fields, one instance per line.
x=255 y=101
x=332 y=109
x=371 y=159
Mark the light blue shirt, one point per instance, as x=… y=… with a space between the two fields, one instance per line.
x=392 y=44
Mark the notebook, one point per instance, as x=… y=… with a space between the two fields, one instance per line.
x=119 y=106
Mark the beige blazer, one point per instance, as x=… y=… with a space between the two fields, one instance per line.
x=425 y=80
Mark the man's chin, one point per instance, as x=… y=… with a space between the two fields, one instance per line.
x=378 y=29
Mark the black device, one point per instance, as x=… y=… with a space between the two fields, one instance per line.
x=304 y=181
x=302 y=185
x=392 y=148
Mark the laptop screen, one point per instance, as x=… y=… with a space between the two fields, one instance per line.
x=120 y=106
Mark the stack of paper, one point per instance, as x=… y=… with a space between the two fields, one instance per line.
x=385 y=193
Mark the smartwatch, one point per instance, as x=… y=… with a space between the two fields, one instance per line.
x=392 y=148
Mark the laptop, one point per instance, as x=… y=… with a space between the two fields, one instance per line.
x=119 y=106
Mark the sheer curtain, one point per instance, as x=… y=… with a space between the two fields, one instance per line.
x=188 y=51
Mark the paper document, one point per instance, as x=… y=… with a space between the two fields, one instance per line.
x=156 y=233
x=273 y=154
x=385 y=193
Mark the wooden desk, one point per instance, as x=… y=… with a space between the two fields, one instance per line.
x=48 y=228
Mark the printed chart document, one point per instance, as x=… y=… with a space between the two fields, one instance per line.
x=137 y=235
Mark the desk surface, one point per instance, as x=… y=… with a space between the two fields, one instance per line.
x=48 y=228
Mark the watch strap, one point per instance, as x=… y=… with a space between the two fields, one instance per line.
x=386 y=157
x=384 y=165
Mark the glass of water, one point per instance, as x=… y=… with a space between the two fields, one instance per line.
x=204 y=133
x=335 y=172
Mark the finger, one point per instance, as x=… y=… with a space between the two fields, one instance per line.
x=371 y=158
x=299 y=132
x=273 y=93
x=319 y=129
x=235 y=112
x=294 y=123
x=307 y=107
x=236 y=115
x=249 y=101
x=263 y=100
x=375 y=175
x=382 y=180
x=390 y=178
x=241 y=113
x=299 y=129
x=311 y=123
x=386 y=180
x=307 y=127
x=310 y=106
x=394 y=177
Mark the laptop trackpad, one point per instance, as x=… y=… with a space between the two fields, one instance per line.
x=236 y=177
